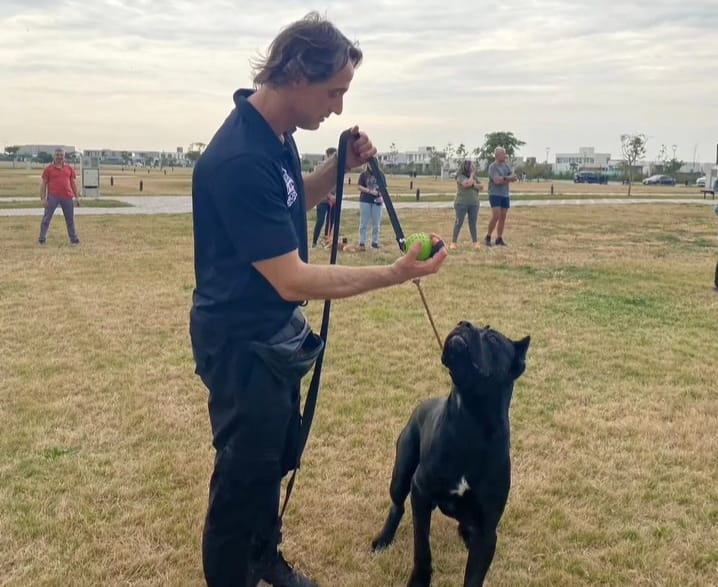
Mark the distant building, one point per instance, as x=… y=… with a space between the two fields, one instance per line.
x=586 y=158
x=419 y=159
x=137 y=157
x=35 y=150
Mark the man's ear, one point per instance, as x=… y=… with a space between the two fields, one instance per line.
x=518 y=365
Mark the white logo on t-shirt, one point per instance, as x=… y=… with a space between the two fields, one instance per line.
x=291 y=189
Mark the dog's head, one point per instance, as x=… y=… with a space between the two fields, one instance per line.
x=477 y=356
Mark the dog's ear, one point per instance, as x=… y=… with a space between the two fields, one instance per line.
x=518 y=366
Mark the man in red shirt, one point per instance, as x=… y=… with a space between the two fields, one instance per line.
x=59 y=188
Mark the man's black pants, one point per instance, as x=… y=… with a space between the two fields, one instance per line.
x=255 y=425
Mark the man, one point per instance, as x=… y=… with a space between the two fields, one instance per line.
x=59 y=187
x=500 y=176
x=249 y=337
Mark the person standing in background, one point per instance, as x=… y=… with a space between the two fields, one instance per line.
x=325 y=211
x=466 y=202
x=59 y=188
x=500 y=176
x=371 y=204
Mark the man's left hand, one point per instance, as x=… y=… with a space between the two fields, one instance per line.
x=361 y=149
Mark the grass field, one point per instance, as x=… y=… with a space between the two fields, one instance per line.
x=105 y=440
x=23 y=182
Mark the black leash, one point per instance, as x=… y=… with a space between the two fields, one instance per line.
x=310 y=403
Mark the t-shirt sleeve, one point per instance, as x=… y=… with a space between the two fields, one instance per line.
x=45 y=174
x=494 y=171
x=362 y=179
x=252 y=205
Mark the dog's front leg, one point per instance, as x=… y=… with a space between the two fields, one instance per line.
x=421 y=508
x=482 y=546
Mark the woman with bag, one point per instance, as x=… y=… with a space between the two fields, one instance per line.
x=371 y=204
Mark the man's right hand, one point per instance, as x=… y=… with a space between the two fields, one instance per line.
x=409 y=267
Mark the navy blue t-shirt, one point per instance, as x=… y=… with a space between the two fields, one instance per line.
x=248 y=205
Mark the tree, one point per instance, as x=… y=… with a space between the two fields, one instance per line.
x=449 y=152
x=126 y=156
x=193 y=155
x=43 y=157
x=461 y=151
x=435 y=164
x=12 y=150
x=393 y=154
x=673 y=166
x=633 y=148
x=510 y=143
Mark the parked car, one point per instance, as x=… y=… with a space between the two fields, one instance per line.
x=590 y=177
x=701 y=182
x=660 y=180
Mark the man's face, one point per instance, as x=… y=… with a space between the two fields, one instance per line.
x=59 y=157
x=314 y=103
x=500 y=156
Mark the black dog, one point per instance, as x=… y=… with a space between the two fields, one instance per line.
x=454 y=451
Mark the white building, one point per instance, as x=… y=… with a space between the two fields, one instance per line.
x=420 y=159
x=135 y=156
x=35 y=150
x=586 y=158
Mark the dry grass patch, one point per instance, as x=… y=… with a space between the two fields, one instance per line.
x=106 y=443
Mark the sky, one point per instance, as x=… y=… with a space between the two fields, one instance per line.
x=559 y=74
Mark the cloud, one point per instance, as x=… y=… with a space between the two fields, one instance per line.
x=160 y=74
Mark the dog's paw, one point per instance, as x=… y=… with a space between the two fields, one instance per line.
x=420 y=578
x=380 y=543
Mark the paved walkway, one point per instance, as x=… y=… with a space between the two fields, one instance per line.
x=183 y=204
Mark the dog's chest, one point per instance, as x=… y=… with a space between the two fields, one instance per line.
x=458 y=498
x=461 y=488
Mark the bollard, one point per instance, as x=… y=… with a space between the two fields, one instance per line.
x=165 y=172
x=112 y=181
x=350 y=180
x=411 y=185
x=552 y=189
x=418 y=193
x=141 y=185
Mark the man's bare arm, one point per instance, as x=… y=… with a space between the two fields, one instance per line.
x=295 y=280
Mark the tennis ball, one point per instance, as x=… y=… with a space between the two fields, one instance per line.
x=426 y=244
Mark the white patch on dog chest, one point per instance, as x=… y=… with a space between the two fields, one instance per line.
x=462 y=488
